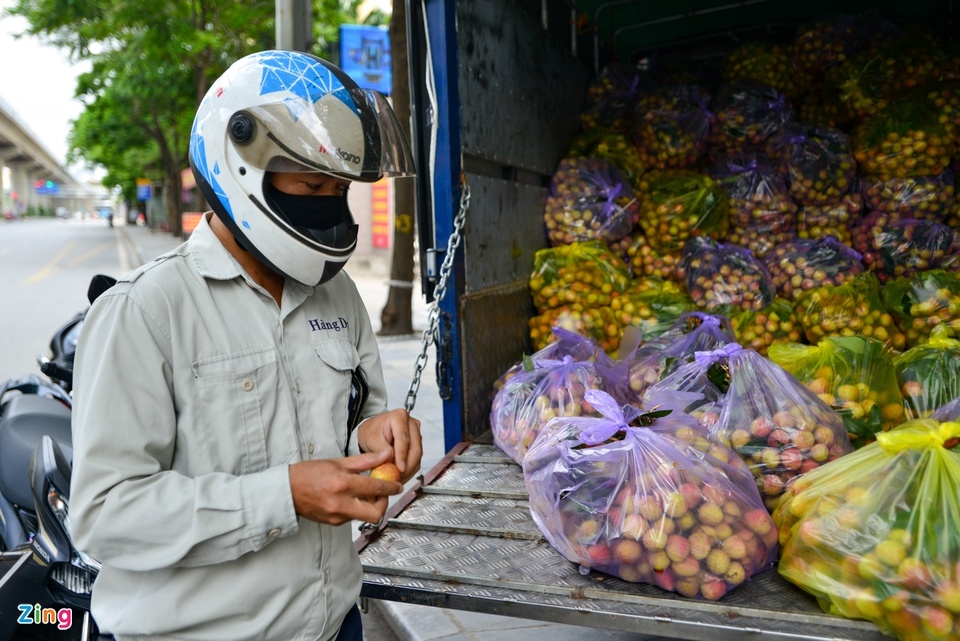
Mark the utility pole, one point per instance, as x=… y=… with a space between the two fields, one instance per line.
x=294 y=25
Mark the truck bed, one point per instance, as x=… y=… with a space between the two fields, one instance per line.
x=464 y=539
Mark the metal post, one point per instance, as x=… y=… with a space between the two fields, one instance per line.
x=294 y=25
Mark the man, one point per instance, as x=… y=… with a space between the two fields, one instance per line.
x=229 y=395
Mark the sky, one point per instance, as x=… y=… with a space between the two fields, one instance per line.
x=37 y=82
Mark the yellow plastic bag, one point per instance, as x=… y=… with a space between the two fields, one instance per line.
x=851 y=309
x=855 y=376
x=929 y=374
x=579 y=276
x=874 y=534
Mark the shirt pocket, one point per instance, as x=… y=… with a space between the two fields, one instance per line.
x=241 y=429
x=336 y=359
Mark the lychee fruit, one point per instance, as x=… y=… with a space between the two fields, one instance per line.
x=804 y=440
x=674 y=505
x=710 y=513
x=713 y=588
x=761 y=427
x=759 y=521
x=718 y=561
x=678 y=547
x=691 y=495
x=735 y=574
x=634 y=526
x=948 y=595
x=913 y=574
x=890 y=553
x=599 y=554
x=655 y=539
x=659 y=561
x=936 y=621
x=770 y=457
x=627 y=551
x=714 y=494
x=689 y=588
x=687 y=567
x=650 y=507
x=819 y=452
x=791 y=458
x=740 y=438
x=732 y=508
x=772 y=485
x=387 y=472
x=778 y=438
x=784 y=418
x=735 y=547
x=700 y=545
x=665 y=580
x=687 y=521
x=824 y=435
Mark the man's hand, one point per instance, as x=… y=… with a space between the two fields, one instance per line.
x=395 y=430
x=335 y=491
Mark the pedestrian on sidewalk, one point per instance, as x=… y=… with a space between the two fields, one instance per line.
x=229 y=394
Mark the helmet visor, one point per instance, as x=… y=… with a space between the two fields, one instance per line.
x=350 y=133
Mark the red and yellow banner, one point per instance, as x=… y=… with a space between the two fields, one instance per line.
x=380 y=214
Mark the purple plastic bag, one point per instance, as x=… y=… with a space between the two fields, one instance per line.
x=780 y=428
x=529 y=400
x=693 y=332
x=648 y=504
x=590 y=199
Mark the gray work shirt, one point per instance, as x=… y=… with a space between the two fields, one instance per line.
x=193 y=394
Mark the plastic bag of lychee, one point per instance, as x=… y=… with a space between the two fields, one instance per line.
x=643 y=497
x=929 y=374
x=854 y=375
x=817 y=162
x=746 y=114
x=697 y=388
x=530 y=399
x=874 y=535
x=724 y=277
x=921 y=302
x=590 y=199
x=567 y=343
x=693 y=332
x=779 y=428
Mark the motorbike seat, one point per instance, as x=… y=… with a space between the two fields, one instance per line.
x=25 y=418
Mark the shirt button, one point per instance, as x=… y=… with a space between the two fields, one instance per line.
x=274 y=533
x=309 y=448
x=297 y=386
x=246 y=385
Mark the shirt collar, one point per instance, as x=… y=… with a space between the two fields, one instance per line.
x=214 y=261
x=210 y=256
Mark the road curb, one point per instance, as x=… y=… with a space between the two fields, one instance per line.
x=130 y=254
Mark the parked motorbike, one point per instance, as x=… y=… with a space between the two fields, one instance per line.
x=45 y=581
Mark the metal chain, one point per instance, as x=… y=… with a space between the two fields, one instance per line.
x=430 y=334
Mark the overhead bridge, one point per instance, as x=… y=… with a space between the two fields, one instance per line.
x=37 y=178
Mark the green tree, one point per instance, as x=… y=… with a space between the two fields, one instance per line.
x=152 y=62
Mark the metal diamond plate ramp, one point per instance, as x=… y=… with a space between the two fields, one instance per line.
x=466 y=541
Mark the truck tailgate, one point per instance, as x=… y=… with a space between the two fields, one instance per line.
x=465 y=540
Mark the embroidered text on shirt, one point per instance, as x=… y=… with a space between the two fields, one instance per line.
x=318 y=324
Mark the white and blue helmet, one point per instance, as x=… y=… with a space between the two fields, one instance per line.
x=288 y=111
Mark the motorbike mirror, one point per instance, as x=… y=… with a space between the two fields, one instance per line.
x=99 y=284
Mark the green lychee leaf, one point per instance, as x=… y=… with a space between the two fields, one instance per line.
x=528 y=364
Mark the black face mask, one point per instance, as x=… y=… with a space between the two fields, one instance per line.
x=325 y=218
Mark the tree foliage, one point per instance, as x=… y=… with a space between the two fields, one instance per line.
x=151 y=64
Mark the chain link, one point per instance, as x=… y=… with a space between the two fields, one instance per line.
x=430 y=334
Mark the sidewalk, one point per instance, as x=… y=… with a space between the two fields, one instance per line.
x=399 y=354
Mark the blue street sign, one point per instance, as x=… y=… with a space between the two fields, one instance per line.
x=365 y=56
